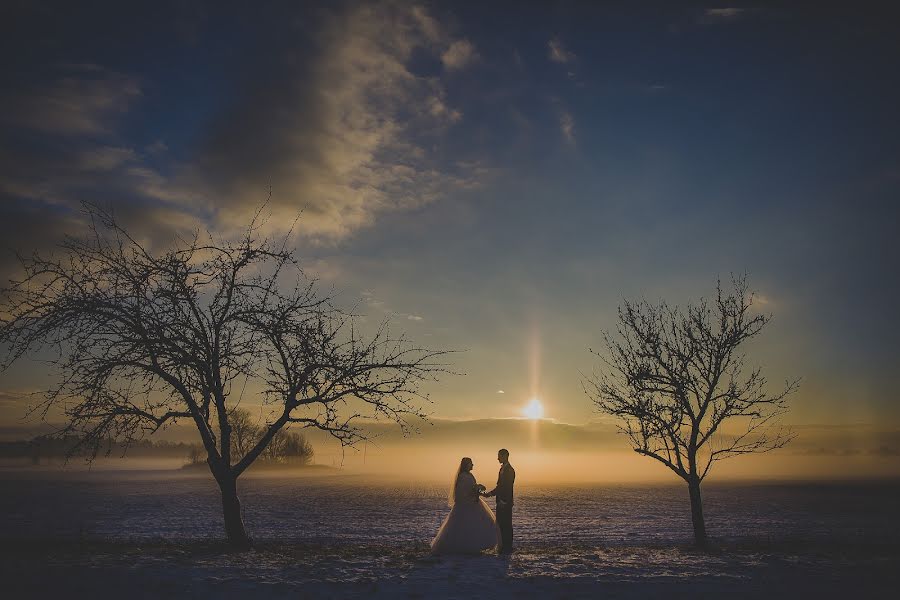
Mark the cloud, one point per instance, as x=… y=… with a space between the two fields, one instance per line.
x=157 y=147
x=14 y=417
x=105 y=158
x=724 y=13
x=845 y=440
x=762 y=299
x=712 y=16
x=13 y=397
x=693 y=19
x=347 y=136
x=373 y=302
x=84 y=99
x=460 y=54
x=42 y=183
x=65 y=147
x=342 y=132
x=557 y=52
x=567 y=126
x=439 y=110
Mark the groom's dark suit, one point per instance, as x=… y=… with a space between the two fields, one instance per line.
x=504 y=494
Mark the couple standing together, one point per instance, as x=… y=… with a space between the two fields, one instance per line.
x=471 y=527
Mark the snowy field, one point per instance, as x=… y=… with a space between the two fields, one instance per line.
x=155 y=534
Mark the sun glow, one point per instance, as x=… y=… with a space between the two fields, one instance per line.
x=534 y=410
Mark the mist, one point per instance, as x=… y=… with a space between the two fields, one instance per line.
x=549 y=452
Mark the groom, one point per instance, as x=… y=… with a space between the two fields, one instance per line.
x=504 y=494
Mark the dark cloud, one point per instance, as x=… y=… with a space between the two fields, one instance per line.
x=322 y=110
x=85 y=99
x=338 y=131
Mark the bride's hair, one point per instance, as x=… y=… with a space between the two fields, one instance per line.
x=464 y=467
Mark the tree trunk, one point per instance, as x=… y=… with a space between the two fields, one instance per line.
x=231 y=510
x=697 y=512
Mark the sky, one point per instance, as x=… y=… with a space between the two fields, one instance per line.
x=493 y=177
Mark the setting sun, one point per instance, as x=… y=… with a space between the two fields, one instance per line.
x=534 y=410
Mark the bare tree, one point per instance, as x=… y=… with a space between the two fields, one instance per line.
x=674 y=377
x=142 y=339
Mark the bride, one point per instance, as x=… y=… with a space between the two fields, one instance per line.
x=470 y=527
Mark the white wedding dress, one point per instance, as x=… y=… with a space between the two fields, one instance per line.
x=471 y=526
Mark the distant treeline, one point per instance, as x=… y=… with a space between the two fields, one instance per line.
x=286 y=447
x=51 y=446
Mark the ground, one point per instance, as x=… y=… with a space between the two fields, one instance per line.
x=86 y=569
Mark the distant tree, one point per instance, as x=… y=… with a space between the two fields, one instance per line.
x=288 y=446
x=196 y=454
x=675 y=377
x=143 y=339
x=297 y=449
x=244 y=432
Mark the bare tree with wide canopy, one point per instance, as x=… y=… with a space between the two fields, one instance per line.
x=142 y=339
x=677 y=381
